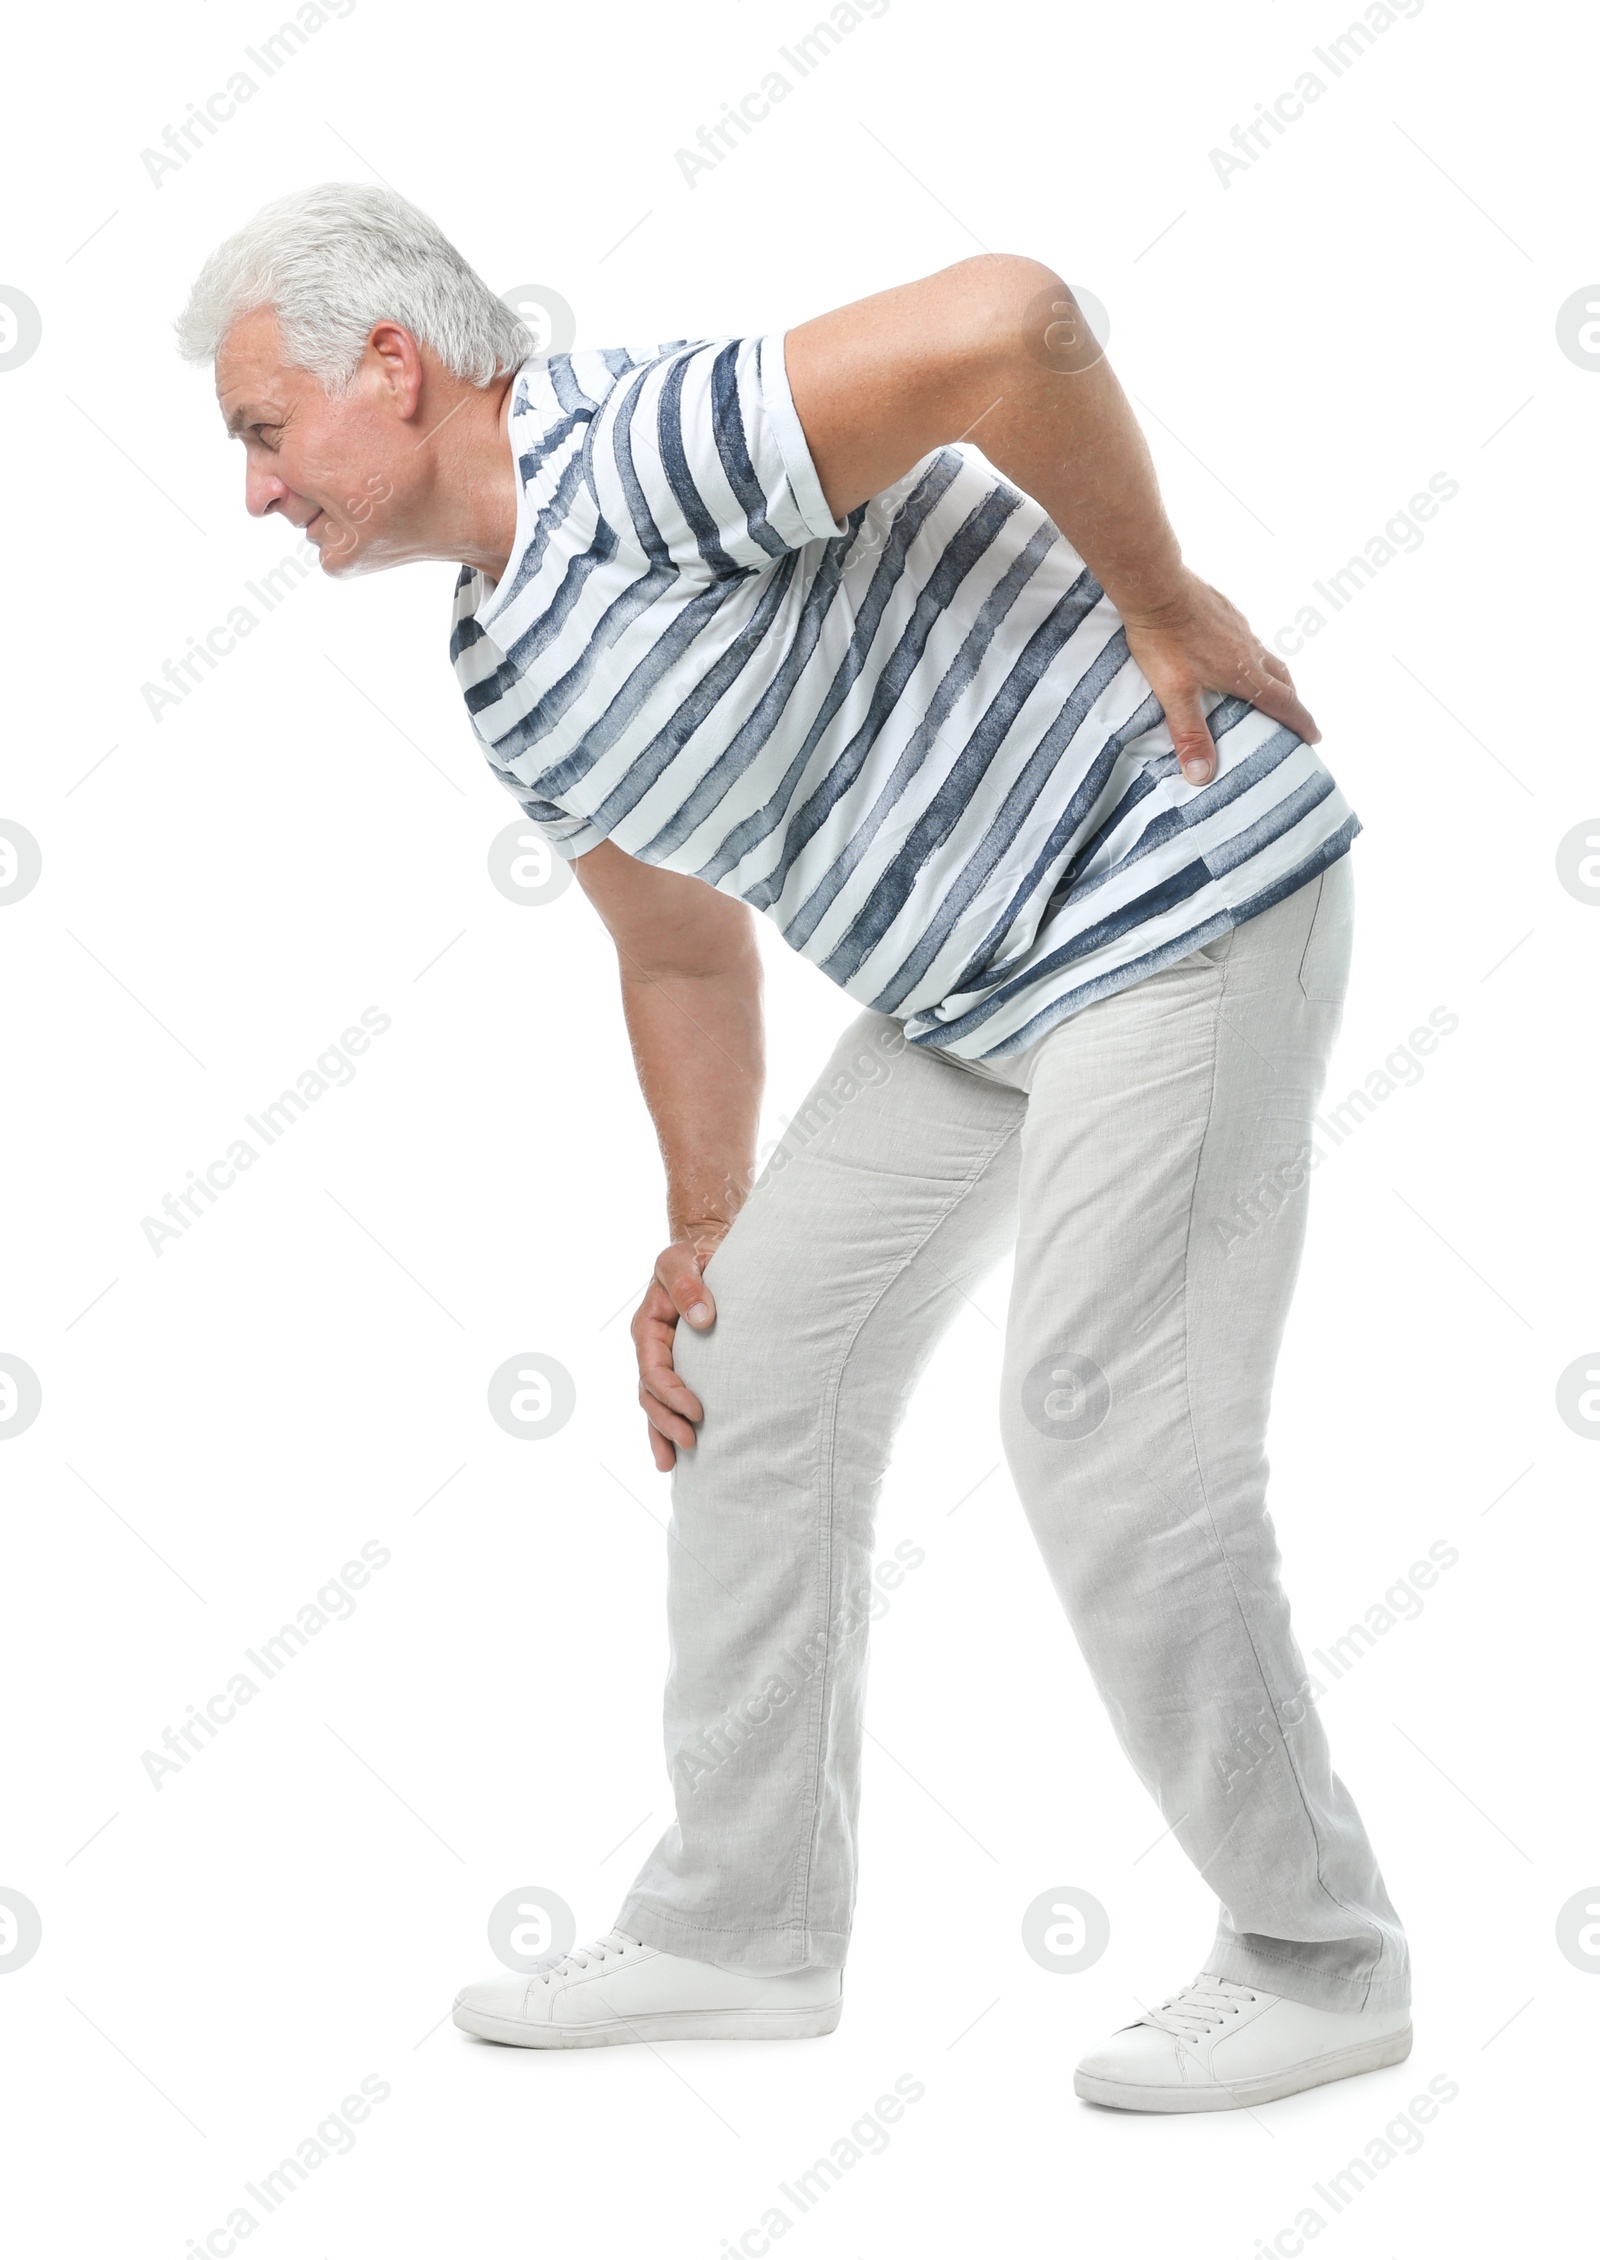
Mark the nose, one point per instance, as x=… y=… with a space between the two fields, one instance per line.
x=263 y=490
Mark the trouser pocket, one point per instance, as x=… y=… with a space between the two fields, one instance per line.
x=1325 y=960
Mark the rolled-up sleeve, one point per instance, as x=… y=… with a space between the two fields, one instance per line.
x=699 y=462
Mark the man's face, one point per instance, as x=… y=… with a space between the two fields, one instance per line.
x=334 y=467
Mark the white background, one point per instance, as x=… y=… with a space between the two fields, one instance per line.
x=1373 y=301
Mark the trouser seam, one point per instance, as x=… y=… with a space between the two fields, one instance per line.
x=827 y=1434
x=1332 y=1896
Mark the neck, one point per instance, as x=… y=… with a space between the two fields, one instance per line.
x=470 y=481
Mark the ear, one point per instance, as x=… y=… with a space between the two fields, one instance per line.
x=394 y=354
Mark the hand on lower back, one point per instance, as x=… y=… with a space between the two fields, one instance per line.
x=1200 y=642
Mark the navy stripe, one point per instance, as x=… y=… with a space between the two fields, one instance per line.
x=518 y=664
x=704 y=689
x=551 y=516
x=651 y=539
x=749 y=743
x=1229 y=786
x=962 y=787
x=870 y=610
x=1066 y=1003
x=669 y=438
x=976 y=536
x=934 y=710
x=894 y=884
x=728 y=426
x=657 y=667
x=1056 y=856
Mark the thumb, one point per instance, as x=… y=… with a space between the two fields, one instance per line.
x=1191 y=740
x=680 y=1273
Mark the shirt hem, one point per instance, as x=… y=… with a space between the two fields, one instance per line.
x=793 y=445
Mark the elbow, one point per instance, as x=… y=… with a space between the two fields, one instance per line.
x=1013 y=272
x=1024 y=308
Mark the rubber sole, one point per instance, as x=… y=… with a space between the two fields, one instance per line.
x=1265 y=2087
x=658 y=2024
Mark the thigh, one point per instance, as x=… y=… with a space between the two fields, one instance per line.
x=891 y=1190
x=1188 y=1082
x=1165 y=1166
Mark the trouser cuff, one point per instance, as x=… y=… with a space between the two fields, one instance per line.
x=757 y=1952
x=1305 y=1982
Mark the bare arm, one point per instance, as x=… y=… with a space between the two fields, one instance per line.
x=995 y=350
x=691 y=993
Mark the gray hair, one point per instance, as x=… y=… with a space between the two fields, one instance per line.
x=333 y=261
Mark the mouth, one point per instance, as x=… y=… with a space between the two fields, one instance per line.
x=310 y=522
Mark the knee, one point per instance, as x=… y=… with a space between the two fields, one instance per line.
x=1090 y=1502
x=746 y=1314
x=1056 y=1428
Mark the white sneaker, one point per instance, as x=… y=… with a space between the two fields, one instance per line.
x=620 y=1989
x=1217 y=2046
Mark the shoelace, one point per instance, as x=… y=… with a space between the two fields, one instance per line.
x=614 y=1944
x=1196 y=2009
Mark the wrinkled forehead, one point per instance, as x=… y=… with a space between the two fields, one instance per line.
x=250 y=366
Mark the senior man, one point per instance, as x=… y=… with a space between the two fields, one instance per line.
x=751 y=624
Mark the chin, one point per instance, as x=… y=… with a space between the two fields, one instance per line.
x=351 y=564
x=356 y=568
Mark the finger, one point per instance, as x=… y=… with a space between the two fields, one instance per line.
x=656 y=1308
x=660 y=1416
x=659 y=1380
x=1191 y=740
x=678 y=1273
x=660 y=1450
x=653 y=1344
x=1279 y=700
x=653 y=1327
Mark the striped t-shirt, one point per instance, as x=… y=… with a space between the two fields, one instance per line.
x=913 y=737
